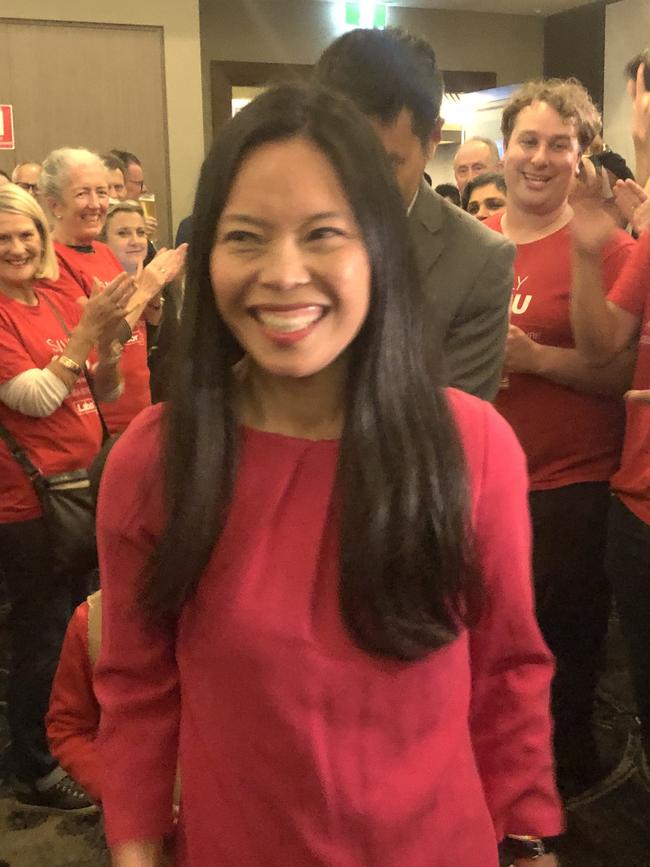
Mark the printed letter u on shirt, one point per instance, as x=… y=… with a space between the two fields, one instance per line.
x=520 y=303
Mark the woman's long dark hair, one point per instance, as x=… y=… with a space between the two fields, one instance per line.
x=408 y=581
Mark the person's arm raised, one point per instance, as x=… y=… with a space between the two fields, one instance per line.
x=601 y=329
x=641 y=127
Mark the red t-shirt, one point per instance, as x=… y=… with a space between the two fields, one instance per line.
x=631 y=292
x=76 y=271
x=568 y=436
x=71 y=436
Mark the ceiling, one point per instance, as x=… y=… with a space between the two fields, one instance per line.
x=515 y=7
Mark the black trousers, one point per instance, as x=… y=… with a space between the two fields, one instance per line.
x=40 y=608
x=628 y=565
x=573 y=602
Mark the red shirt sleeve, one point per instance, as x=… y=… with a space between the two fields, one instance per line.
x=631 y=289
x=73 y=718
x=512 y=668
x=14 y=358
x=136 y=678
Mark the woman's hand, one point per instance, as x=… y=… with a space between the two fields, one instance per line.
x=634 y=204
x=163 y=268
x=522 y=353
x=629 y=195
x=106 y=308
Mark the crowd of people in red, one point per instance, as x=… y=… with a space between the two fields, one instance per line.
x=356 y=569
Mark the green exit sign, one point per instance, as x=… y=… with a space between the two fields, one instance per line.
x=365 y=14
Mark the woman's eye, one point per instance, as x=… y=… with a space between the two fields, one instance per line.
x=239 y=235
x=324 y=232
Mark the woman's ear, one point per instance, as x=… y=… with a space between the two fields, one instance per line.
x=54 y=207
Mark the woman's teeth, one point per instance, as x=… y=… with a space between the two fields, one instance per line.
x=288 y=322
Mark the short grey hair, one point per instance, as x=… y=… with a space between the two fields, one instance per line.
x=494 y=149
x=57 y=167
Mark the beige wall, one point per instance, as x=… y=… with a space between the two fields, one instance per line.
x=297 y=31
x=627 y=25
x=180 y=22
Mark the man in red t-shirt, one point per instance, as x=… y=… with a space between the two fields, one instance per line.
x=568 y=416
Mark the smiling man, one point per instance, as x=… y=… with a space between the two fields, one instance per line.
x=465 y=271
x=567 y=413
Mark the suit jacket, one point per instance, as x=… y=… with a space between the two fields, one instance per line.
x=466 y=273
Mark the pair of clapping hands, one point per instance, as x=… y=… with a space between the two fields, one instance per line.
x=125 y=297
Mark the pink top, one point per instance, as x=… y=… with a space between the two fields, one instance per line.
x=296 y=747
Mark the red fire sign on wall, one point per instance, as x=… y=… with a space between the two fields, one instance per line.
x=7 y=142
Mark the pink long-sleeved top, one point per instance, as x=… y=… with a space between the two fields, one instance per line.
x=296 y=748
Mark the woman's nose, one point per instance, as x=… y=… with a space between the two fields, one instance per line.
x=16 y=246
x=284 y=266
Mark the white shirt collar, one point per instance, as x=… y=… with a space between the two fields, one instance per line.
x=410 y=207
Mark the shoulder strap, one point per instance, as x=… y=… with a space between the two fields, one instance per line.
x=84 y=368
x=19 y=454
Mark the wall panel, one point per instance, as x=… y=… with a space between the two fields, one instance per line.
x=95 y=86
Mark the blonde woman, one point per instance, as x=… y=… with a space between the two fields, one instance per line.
x=47 y=407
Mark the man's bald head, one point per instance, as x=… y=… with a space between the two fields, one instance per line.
x=474 y=157
x=27 y=176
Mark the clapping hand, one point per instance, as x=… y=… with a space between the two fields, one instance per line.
x=591 y=227
x=163 y=268
x=106 y=307
x=633 y=203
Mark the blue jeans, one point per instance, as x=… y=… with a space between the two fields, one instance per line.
x=40 y=608
x=628 y=564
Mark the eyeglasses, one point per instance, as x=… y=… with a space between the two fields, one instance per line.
x=138 y=184
x=30 y=188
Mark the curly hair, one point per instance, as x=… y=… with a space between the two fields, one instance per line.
x=569 y=99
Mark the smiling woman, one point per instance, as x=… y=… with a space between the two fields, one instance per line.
x=307 y=558
x=76 y=186
x=289 y=268
x=47 y=408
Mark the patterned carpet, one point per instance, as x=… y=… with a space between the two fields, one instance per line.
x=610 y=829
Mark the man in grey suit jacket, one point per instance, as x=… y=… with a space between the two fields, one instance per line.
x=466 y=269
